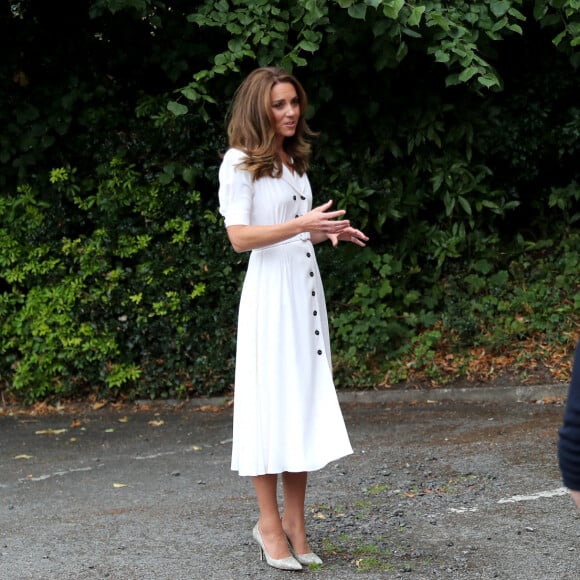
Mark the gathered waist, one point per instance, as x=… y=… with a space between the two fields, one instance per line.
x=302 y=237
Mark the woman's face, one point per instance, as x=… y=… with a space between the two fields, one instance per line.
x=285 y=109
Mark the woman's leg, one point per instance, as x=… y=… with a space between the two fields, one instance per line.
x=293 y=519
x=270 y=525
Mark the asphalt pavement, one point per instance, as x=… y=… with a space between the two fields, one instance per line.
x=453 y=484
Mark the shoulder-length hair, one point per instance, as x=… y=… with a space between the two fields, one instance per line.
x=251 y=126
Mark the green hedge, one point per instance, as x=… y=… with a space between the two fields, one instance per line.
x=450 y=133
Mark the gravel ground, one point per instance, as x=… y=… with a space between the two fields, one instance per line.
x=446 y=489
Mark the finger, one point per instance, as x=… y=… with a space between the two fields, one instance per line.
x=324 y=206
x=338 y=227
x=359 y=234
x=338 y=224
x=332 y=238
x=358 y=240
x=334 y=214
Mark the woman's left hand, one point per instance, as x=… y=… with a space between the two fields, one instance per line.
x=349 y=234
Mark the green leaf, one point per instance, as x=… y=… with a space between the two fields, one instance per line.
x=190 y=93
x=308 y=46
x=500 y=24
x=177 y=108
x=468 y=73
x=499 y=7
x=298 y=60
x=488 y=80
x=489 y=204
x=452 y=80
x=220 y=59
x=357 y=11
x=391 y=9
x=516 y=28
x=540 y=9
x=441 y=56
x=415 y=16
x=464 y=204
x=236 y=45
x=558 y=39
x=516 y=14
x=499 y=279
x=438 y=20
x=188 y=175
x=411 y=33
x=402 y=51
x=483 y=266
x=385 y=288
x=234 y=28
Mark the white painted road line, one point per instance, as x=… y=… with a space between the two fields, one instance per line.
x=538 y=495
x=57 y=474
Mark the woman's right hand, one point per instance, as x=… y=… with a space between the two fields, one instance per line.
x=320 y=219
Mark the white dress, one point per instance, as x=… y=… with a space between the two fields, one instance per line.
x=286 y=412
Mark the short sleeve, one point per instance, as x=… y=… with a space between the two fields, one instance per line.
x=236 y=190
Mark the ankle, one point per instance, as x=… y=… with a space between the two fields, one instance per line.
x=296 y=534
x=274 y=539
x=270 y=526
x=293 y=526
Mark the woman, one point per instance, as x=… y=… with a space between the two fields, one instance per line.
x=287 y=419
x=569 y=434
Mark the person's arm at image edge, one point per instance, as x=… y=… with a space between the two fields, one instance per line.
x=569 y=434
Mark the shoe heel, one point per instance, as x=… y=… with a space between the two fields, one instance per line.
x=288 y=563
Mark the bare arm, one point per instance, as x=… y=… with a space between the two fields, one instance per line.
x=318 y=237
x=319 y=222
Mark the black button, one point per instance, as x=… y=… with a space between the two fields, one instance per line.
x=313 y=293
x=308 y=254
x=311 y=274
x=301 y=197
x=296 y=216
x=319 y=352
x=294 y=197
x=314 y=313
x=317 y=332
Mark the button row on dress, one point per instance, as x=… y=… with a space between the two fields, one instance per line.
x=294 y=198
x=311 y=273
x=314 y=312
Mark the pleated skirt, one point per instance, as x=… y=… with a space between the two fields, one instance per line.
x=286 y=411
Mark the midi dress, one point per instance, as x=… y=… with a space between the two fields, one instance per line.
x=286 y=411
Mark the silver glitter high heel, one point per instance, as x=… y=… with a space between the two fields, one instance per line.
x=307 y=559
x=289 y=563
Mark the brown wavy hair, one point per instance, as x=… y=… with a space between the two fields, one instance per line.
x=251 y=127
